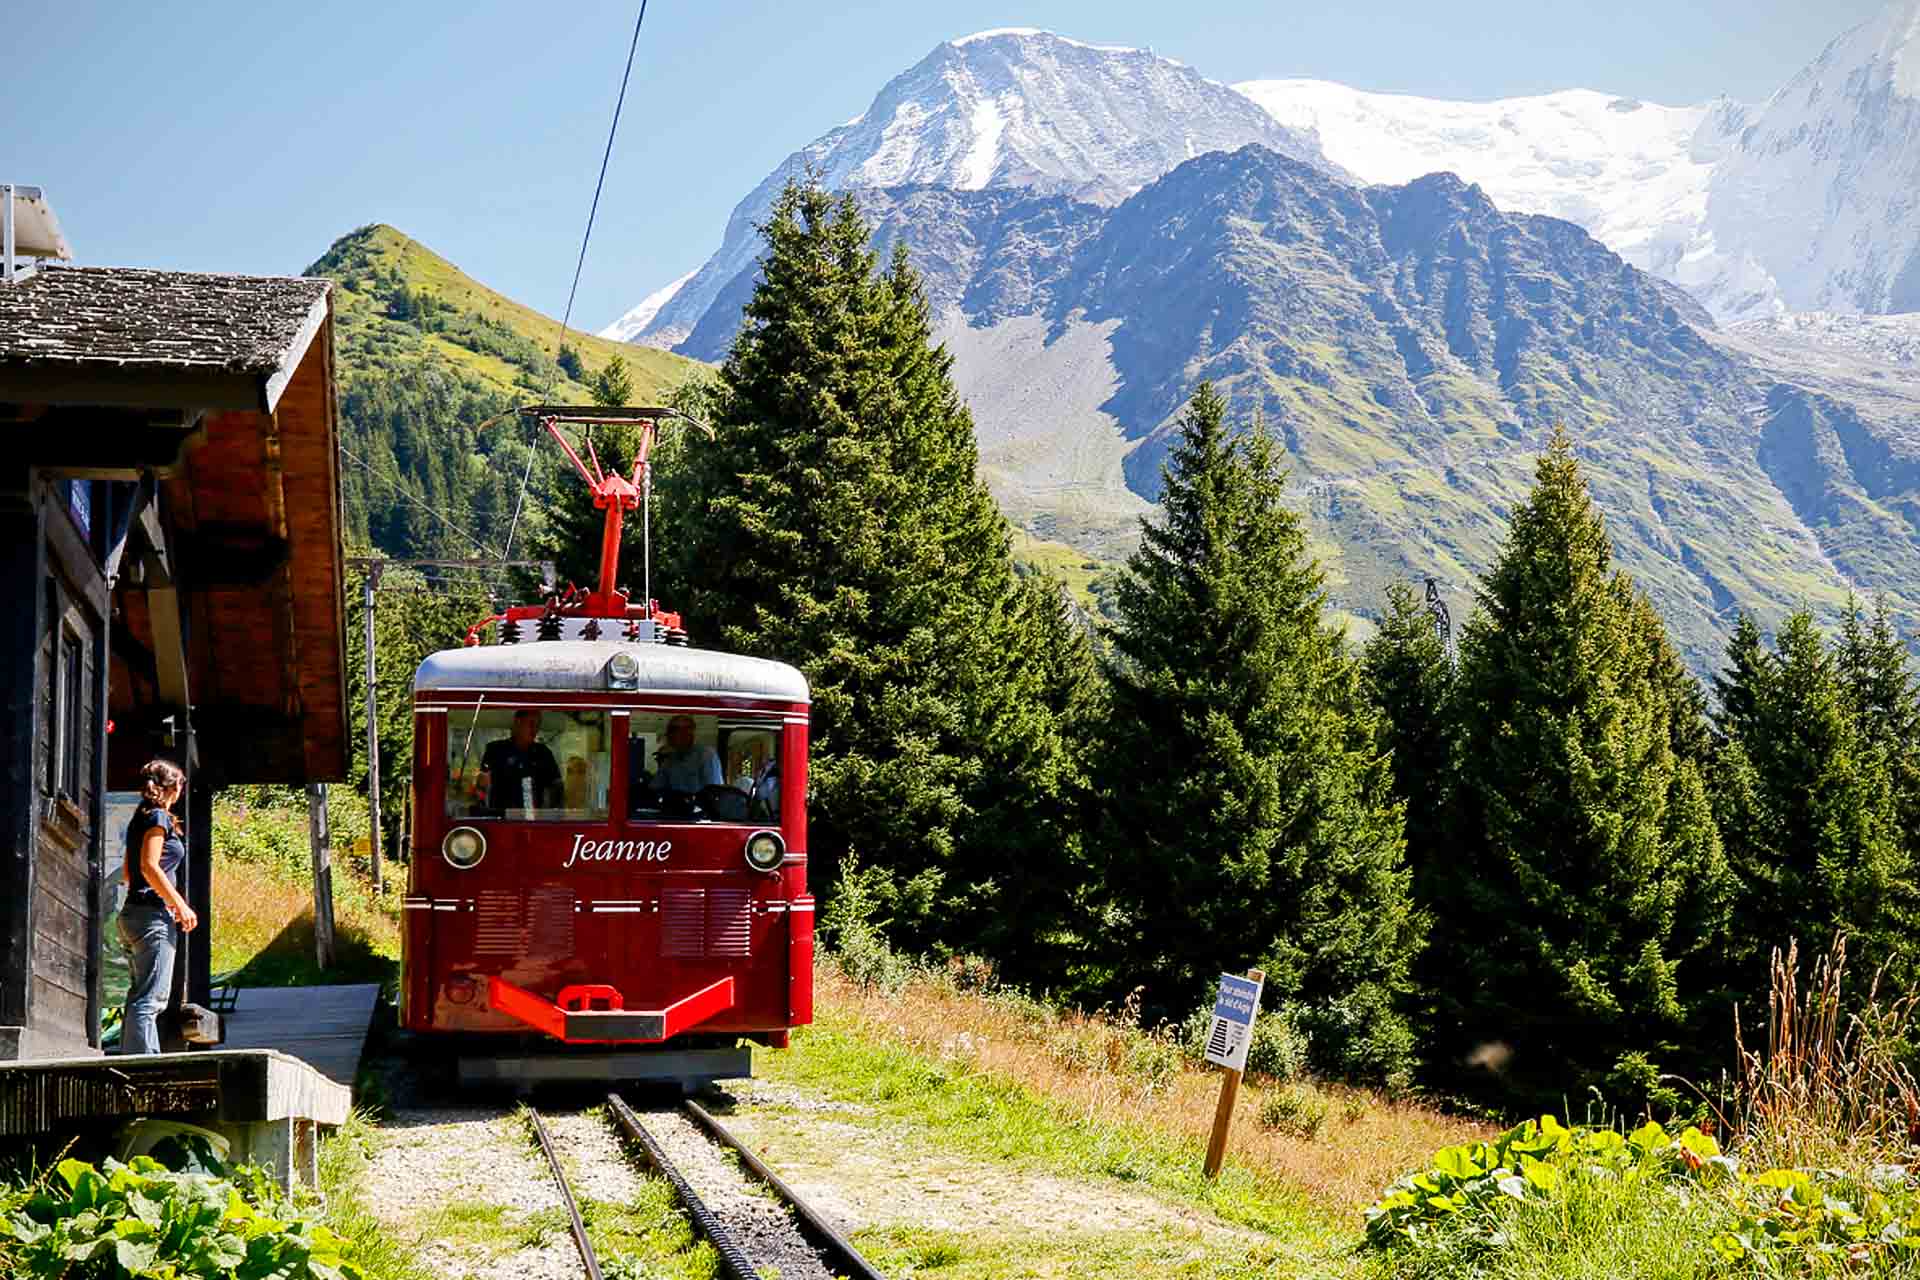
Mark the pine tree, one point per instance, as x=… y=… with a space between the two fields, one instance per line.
x=1252 y=809
x=1807 y=805
x=1588 y=896
x=837 y=523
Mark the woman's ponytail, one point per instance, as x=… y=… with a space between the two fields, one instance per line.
x=159 y=777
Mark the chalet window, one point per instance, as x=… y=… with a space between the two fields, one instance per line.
x=73 y=728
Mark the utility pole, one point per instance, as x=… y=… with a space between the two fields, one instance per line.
x=1442 y=621
x=372 y=583
x=318 y=836
x=374 y=566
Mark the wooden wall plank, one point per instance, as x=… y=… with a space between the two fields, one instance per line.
x=22 y=561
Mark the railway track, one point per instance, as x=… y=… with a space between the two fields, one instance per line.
x=753 y=1234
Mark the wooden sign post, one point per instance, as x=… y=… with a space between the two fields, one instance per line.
x=1234 y=1011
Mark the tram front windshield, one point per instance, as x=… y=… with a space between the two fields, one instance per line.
x=528 y=763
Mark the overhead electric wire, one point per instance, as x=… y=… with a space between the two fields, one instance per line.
x=580 y=262
x=401 y=490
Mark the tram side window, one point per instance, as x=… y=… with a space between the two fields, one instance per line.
x=527 y=763
x=705 y=768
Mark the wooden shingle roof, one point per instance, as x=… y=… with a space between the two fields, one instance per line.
x=126 y=335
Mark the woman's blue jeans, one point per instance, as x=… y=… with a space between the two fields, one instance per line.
x=151 y=938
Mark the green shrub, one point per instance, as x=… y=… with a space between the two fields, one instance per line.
x=1278 y=1049
x=855 y=940
x=1297 y=1110
x=142 y=1219
x=1648 y=1201
x=1155 y=1060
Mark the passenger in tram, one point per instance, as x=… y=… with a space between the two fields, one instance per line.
x=766 y=792
x=519 y=767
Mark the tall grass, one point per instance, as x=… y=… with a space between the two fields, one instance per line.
x=1829 y=1087
x=1107 y=1069
x=263 y=918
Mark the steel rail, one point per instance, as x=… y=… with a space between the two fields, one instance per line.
x=841 y=1257
x=733 y=1259
x=566 y=1195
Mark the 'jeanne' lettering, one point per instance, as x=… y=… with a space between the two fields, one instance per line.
x=618 y=850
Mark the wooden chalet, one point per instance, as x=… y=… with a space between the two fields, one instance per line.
x=169 y=537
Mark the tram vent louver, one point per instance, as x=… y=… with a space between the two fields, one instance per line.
x=705 y=922
x=729 y=922
x=683 y=923
x=550 y=922
x=497 y=931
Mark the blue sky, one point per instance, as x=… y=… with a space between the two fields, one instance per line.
x=245 y=135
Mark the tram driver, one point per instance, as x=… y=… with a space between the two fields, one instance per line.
x=518 y=771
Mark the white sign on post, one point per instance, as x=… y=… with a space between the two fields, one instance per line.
x=1233 y=1012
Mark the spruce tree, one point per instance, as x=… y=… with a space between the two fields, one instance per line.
x=1253 y=817
x=1877 y=677
x=1588 y=897
x=1408 y=678
x=1807 y=807
x=837 y=523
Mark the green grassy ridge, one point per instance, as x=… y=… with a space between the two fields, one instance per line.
x=371 y=263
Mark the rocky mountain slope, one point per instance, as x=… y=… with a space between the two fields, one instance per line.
x=1412 y=345
x=1016 y=108
x=1635 y=174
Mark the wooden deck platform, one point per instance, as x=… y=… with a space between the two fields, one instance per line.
x=325 y=1027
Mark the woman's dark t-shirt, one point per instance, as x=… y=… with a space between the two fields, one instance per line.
x=173 y=852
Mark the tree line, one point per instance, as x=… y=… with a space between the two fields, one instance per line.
x=1554 y=864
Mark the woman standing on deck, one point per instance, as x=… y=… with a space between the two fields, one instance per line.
x=155 y=906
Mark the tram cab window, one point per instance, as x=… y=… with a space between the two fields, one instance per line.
x=685 y=766
x=528 y=764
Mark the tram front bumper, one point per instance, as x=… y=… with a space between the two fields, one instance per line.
x=575 y=1018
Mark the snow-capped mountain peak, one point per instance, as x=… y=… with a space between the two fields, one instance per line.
x=1024 y=32
x=1634 y=174
x=635 y=322
x=1819 y=189
x=1015 y=107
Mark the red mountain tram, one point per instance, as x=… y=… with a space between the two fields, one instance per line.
x=609 y=856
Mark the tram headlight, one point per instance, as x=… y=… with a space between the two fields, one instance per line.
x=623 y=671
x=463 y=848
x=765 y=849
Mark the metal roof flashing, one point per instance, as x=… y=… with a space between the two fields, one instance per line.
x=580 y=666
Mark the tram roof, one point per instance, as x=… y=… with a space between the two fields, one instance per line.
x=580 y=666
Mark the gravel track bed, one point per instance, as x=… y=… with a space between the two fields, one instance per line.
x=433 y=1159
x=760 y=1222
x=590 y=1152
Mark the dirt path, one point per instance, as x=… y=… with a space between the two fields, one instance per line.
x=863 y=1173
